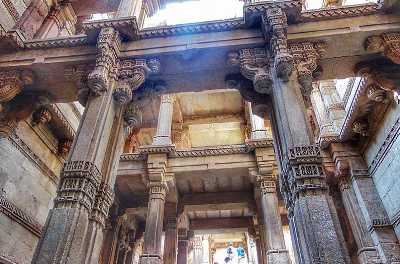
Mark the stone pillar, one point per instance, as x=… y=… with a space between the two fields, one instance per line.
x=132 y=8
x=197 y=250
x=258 y=130
x=302 y=180
x=333 y=103
x=171 y=241
x=259 y=249
x=164 y=123
x=276 y=251
x=371 y=213
x=366 y=249
x=154 y=224
x=184 y=237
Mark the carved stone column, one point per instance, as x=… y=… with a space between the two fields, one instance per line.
x=154 y=223
x=74 y=229
x=276 y=251
x=302 y=181
x=164 y=123
x=171 y=239
x=366 y=249
x=372 y=214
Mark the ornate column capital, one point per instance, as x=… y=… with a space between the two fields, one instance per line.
x=254 y=65
x=108 y=47
x=306 y=56
x=132 y=74
x=386 y=43
x=12 y=82
x=275 y=30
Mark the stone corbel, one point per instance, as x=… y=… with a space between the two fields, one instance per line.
x=78 y=74
x=12 y=82
x=41 y=116
x=108 y=46
x=306 y=56
x=387 y=43
x=133 y=116
x=275 y=30
x=132 y=74
x=64 y=146
x=254 y=65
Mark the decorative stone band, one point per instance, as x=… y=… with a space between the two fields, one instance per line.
x=254 y=65
x=339 y=12
x=132 y=74
x=102 y=203
x=278 y=256
x=78 y=185
x=306 y=56
x=302 y=174
x=379 y=223
x=267 y=186
x=275 y=29
x=387 y=43
x=108 y=46
x=158 y=190
x=11 y=210
x=12 y=82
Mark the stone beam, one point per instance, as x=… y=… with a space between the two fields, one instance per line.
x=220 y=223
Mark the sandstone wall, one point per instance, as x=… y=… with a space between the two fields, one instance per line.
x=383 y=158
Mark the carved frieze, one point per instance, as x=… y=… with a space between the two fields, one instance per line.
x=387 y=43
x=12 y=82
x=108 y=46
x=306 y=56
x=275 y=30
x=78 y=185
x=254 y=65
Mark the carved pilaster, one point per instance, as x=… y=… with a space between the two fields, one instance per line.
x=78 y=185
x=306 y=56
x=12 y=82
x=132 y=74
x=254 y=65
x=275 y=27
x=108 y=45
x=387 y=43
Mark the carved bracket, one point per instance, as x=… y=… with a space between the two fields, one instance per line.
x=306 y=56
x=132 y=74
x=386 y=43
x=255 y=66
x=275 y=29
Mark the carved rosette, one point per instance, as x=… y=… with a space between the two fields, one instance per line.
x=387 y=43
x=12 y=82
x=132 y=74
x=306 y=56
x=41 y=116
x=254 y=65
x=303 y=173
x=102 y=203
x=158 y=190
x=275 y=25
x=133 y=115
x=78 y=185
x=108 y=45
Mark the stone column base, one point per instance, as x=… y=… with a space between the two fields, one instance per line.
x=150 y=259
x=278 y=256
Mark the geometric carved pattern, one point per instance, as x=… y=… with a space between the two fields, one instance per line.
x=102 y=204
x=158 y=190
x=12 y=82
x=78 y=185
